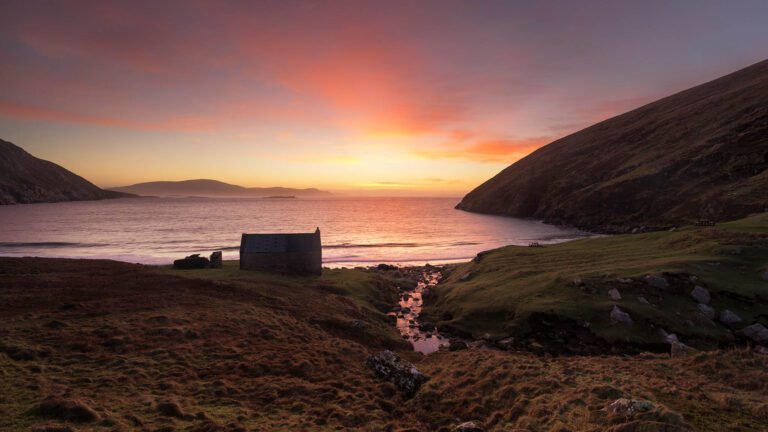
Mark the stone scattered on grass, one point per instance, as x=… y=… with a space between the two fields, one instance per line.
x=761 y=349
x=614 y=294
x=627 y=407
x=765 y=274
x=700 y=294
x=729 y=318
x=679 y=349
x=457 y=345
x=67 y=409
x=578 y=282
x=657 y=281
x=618 y=316
x=466 y=276
x=469 y=426
x=643 y=300
x=708 y=311
x=170 y=409
x=402 y=373
x=625 y=280
x=756 y=333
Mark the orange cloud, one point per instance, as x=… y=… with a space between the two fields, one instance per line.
x=190 y=124
x=490 y=150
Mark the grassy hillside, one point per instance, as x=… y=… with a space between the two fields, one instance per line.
x=562 y=290
x=699 y=153
x=26 y=179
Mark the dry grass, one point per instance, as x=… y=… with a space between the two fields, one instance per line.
x=145 y=348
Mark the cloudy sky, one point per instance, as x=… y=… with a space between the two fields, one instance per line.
x=414 y=97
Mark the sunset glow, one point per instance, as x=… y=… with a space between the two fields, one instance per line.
x=391 y=97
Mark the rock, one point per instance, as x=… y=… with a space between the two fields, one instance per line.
x=457 y=345
x=729 y=318
x=578 y=282
x=625 y=280
x=765 y=274
x=700 y=294
x=618 y=316
x=191 y=262
x=708 y=311
x=506 y=343
x=170 y=409
x=465 y=276
x=614 y=294
x=623 y=406
x=761 y=350
x=385 y=267
x=216 y=260
x=427 y=326
x=643 y=300
x=678 y=349
x=403 y=374
x=668 y=337
x=469 y=426
x=756 y=333
x=67 y=409
x=52 y=428
x=657 y=281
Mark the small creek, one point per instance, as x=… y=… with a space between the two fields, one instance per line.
x=422 y=335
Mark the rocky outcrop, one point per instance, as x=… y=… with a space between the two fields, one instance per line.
x=696 y=154
x=402 y=373
x=25 y=179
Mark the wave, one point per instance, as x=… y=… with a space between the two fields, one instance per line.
x=17 y=245
x=369 y=245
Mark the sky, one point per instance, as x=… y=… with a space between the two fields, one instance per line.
x=367 y=97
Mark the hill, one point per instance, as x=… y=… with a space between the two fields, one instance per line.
x=700 y=153
x=26 y=179
x=212 y=188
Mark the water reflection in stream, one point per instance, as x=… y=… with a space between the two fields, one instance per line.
x=422 y=335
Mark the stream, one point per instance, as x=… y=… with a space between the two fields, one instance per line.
x=422 y=335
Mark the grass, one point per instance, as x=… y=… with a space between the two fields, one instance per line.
x=255 y=351
x=509 y=288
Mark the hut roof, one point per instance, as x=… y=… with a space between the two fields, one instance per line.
x=280 y=243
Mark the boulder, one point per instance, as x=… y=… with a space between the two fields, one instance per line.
x=756 y=333
x=643 y=300
x=427 y=326
x=457 y=345
x=506 y=343
x=678 y=349
x=657 y=281
x=618 y=316
x=67 y=409
x=402 y=373
x=191 y=262
x=614 y=294
x=578 y=282
x=700 y=294
x=708 y=311
x=729 y=318
x=217 y=260
x=626 y=407
x=466 y=276
x=469 y=426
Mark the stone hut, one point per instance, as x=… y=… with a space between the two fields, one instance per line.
x=282 y=253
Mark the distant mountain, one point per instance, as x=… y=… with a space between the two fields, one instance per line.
x=700 y=153
x=212 y=188
x=26 y=179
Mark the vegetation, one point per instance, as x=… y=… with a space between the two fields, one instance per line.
x=512 y=290
x=106 y=346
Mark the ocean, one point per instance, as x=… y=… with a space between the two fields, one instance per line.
x=355 y=231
